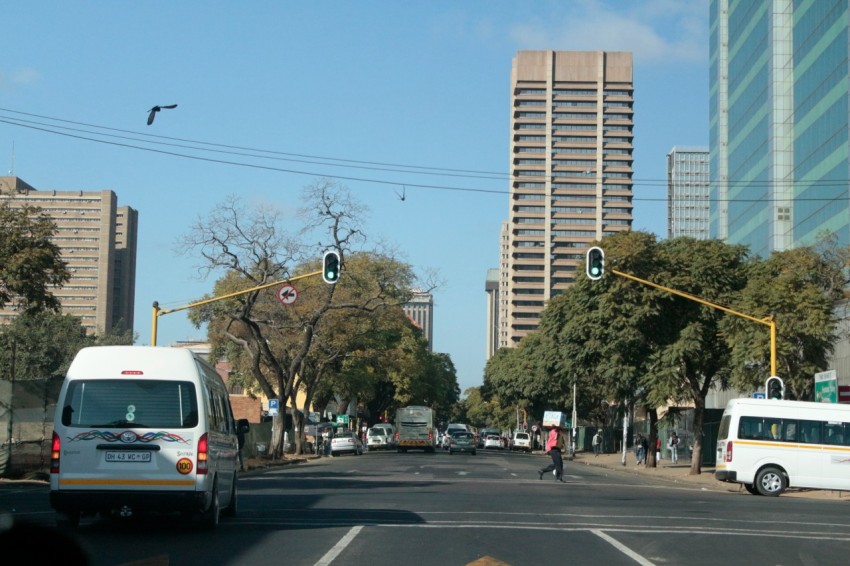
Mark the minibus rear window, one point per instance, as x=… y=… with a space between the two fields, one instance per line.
x=130 y=403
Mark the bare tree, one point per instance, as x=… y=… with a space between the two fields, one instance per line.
x=276 y=344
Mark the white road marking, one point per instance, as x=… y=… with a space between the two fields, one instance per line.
x=622 y=548
x=339 y=547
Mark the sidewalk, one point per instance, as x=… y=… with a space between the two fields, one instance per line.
x=680 y=473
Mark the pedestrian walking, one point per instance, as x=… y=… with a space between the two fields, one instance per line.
x=673 y=447
x=556 y=445
x=658 y=449
x=640 y=448
x=597 y=443
x=636 y=447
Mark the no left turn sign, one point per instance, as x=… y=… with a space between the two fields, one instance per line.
x=287 y=294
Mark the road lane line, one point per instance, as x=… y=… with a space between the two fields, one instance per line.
x=622 y=548
x=331 y=555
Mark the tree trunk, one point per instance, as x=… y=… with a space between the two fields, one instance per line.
x=278 y=424
x=653 y=438
x=298 y=431
x=699 y=418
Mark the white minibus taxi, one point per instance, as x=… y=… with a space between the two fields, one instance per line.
x=143 y=429
x=770 y=445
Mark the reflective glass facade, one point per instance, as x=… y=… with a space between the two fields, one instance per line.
x=779 y=122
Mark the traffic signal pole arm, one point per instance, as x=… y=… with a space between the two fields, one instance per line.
x=767 y=321
x=157 y=312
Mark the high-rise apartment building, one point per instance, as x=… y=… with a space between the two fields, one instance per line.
x=97 y=239
x=779 y=122
x=687 y=193
x=571 y=174
x=420 y=309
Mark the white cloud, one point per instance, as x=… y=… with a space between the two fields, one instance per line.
x=18 y=79
x=655 y=31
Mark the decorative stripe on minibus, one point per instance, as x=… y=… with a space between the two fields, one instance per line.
x=793 y=445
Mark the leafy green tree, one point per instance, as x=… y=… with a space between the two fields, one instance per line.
x=799 y=288
x=30 y=263
x=525 y=376
x=42 y=344
x=645 y=345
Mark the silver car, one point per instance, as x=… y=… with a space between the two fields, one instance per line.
x=346 y=443
x=462 y=442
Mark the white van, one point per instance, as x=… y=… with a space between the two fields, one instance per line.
x=143 y=429
x=770 y=445
x=391 y=433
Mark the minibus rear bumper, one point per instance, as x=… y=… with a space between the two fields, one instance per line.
x=725 y=475
x=90 y=502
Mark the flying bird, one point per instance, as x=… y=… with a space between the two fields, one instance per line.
x=403 y=194
x=156 y=109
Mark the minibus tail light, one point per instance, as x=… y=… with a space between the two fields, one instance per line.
x=55 y=449
x=203 y=455
x=729 y=451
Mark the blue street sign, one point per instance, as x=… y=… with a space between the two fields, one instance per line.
x=274 y=407
x=759 y=395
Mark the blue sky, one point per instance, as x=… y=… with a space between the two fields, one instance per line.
x=415 y=84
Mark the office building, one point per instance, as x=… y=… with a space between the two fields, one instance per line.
x=491 y=287
x=97 y=239
x=779 y=118
x=687 y=193
x=571 y=173
x=420 y=309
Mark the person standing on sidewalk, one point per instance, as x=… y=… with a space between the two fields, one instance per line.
x=673 y=446
x=644 y=448
x=597 y=443
x=556 y=445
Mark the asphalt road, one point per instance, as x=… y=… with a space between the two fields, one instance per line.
x=487 y=509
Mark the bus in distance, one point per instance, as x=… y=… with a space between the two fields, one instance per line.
x=415 y=429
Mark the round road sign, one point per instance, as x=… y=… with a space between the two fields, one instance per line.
x=287 y=294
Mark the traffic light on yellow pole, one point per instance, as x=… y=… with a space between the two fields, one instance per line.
x=595 y=264
x=774 y=388
x=330 y=267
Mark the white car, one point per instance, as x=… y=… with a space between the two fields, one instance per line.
x=346 y=443
x=493 y=441
x=521 y=441
x=379 y=439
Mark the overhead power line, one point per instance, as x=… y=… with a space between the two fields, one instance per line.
x=155 y=143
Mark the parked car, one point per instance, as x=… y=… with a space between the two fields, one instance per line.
x=462 y=442
x=378 y=438
x=521 y=441
x=493 y=441
x=346 y=443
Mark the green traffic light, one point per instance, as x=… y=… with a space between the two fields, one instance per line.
x=595 y=263
x=330 y=267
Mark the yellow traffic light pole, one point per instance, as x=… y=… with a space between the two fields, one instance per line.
x=157 y=312
x=768 y=321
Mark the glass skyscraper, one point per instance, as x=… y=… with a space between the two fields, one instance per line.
x=779 y=122
x=687 y=193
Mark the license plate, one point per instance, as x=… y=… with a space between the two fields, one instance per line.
x=128 y=456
